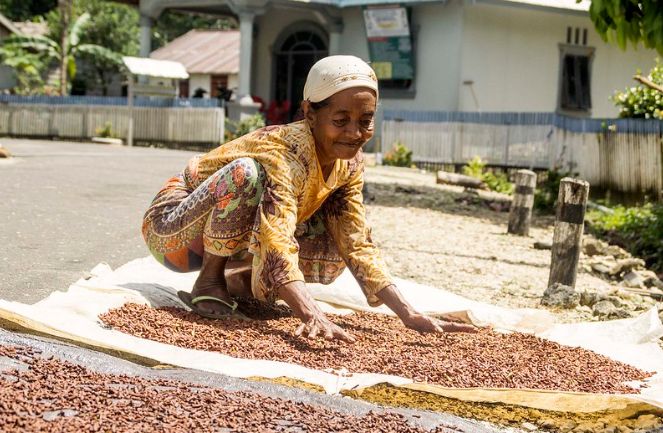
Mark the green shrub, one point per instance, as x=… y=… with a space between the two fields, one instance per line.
x=545 y=196
x=642 y=101
x=399 y=156
x=236 y=129
x=105 y=131
x=499 y=182
x=637 y=229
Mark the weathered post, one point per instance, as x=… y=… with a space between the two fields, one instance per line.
x=569 y=224
x=523 y=200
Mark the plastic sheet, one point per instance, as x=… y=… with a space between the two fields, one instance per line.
x=73 y=315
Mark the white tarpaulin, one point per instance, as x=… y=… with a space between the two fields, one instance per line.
x=73 y=315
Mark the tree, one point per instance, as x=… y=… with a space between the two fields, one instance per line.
x=173 y=24
x=25 y=10
x=64 y=53
x=624 y=21
x=111 y=25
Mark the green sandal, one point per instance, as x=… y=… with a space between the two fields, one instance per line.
x=191 y=303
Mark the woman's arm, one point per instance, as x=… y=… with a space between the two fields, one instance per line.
x=393 y=299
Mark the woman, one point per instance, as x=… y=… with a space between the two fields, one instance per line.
x=288 y=199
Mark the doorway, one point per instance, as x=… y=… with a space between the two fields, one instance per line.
x=295 y=52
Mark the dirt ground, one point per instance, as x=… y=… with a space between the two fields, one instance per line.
x=447 y=238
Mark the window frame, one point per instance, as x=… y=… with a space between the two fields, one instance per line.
x=578 y=51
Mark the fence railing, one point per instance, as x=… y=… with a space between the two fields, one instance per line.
x=151 y=124
x=139 y=101
x=620 y=154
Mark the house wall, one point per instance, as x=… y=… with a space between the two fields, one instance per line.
x=269 y=28
x=199 y=81
x=512 y=56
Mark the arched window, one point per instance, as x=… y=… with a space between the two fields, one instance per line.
x=295 y=51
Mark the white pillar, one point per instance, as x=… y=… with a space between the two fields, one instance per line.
x=335 y=30
x=146 y=24
x=245 y=54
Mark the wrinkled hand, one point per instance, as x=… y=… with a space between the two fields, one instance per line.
x=321 y=325
x=422 y=323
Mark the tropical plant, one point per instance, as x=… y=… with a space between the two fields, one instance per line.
x=498 y=182
x=624 y=21
x=27 y=68
x=642 y=101
x=235 y=129
x=399 y=155
x=49 y=51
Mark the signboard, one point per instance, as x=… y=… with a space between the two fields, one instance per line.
x=389 y=42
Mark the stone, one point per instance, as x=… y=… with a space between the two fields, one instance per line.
x=528 y=426
x=585 y=309
x=539 y=245
x=624 y=429
x=591 y=298
x=567 y=426
x=634 y=279
x=626 y=265
x=4 y=152
x=621 y=313
x=604 y=308
x=647 y=421
x=594 y=247
x=617 y=252
x=559 y=295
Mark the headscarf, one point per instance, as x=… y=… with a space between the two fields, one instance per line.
x=332 y=74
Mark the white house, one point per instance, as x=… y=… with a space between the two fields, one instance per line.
x=211 y=57
x=454 y=55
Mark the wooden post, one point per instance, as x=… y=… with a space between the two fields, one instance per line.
x=523 y=200
x=569 y=224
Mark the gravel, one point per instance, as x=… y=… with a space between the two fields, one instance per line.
x=487 y=359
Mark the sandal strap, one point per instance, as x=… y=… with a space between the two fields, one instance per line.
x=232 y=306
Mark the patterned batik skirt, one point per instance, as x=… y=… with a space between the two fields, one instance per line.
x=219 y=215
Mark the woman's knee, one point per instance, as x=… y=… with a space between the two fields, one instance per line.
x=246 y=172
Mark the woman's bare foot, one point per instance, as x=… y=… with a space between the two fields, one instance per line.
x=212 y=282
x=238 y=278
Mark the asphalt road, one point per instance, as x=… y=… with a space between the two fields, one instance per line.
x=65 y=207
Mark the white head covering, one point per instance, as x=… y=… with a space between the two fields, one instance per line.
x=335 y=73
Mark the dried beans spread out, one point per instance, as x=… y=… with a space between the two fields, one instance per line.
x=384 y=345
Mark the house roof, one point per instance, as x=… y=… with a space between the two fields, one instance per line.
x=155 y=68
x=30 y=28
x=204 y=51
x=6 y=23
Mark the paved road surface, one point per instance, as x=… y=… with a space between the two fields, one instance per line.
x=64 y=207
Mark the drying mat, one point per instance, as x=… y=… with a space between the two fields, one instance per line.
x=73 y=315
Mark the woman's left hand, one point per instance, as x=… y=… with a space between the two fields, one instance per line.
x=422 y=323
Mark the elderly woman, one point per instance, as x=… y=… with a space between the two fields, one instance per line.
x=287 y=201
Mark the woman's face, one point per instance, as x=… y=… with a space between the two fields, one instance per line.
x=343 y=126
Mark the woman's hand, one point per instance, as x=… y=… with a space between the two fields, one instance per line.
x=422 y=323
x=414 y=320
x=315 y=322
x=321 y=325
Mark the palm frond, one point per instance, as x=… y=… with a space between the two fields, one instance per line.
x=77 y=29
x=99 y=52
x=25 y=39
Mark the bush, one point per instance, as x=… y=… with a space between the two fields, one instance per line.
x=236 y=129
x=399 y=156
x=641 y=101
x=105 y=131
x=498 y=182
x=637 y=229
x=545 y=196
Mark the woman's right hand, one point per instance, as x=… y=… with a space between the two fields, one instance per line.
x=314 y=321
x=321 y=325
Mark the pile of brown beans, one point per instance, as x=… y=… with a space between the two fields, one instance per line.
x=483 y=360
x=57 y=396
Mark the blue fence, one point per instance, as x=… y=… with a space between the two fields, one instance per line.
x=572 y=124
x=139 y=101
